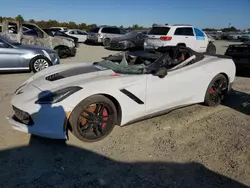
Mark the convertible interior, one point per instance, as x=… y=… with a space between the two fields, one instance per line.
x=168 y=57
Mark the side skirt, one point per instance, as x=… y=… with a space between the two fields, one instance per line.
x=156 y=114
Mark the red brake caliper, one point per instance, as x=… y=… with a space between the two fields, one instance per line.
x=211 y=91
x=104 y=114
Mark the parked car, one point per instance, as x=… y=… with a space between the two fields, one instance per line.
x=131 y=40
x=240 y=54
x=63 y=29
x=215 y=35
x=36 y=36
x=15 y=56
x=234 y=36
x=179 y=35
x=107 y=33
x=58 y=33
x=91 y=98
x=81 y=35
x=245 y=37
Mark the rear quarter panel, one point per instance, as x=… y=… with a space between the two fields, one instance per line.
x=218 y=65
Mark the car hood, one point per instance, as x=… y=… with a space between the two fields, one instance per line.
x=74 y=74
x=34 y=47
x=66 y=38
x=124 y=37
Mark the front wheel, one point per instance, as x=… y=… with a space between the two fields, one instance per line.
x=106 y=42
x=93 y=119
x=216 y=91
x=211 y=49
x=39 y=63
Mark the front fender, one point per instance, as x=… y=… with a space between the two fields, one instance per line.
x=131 y=109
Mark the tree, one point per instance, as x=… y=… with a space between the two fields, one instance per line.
x=210 y=29
x=229 y=29
x=32 y=21
x=19 y=18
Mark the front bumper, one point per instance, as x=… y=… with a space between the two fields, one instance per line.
x=94 y=39
x=36 y=130
x=117 y=46
x=46 y=120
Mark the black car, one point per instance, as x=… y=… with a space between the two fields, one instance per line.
x=240 y=53
x=131 y=40
x=57 y=32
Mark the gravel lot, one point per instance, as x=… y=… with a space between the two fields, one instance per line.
x=192 y=147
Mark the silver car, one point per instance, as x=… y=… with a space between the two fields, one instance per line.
x=15 y=56
x=104 y=34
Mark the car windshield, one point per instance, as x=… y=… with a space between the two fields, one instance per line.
x=145 y=62
x=123 y=67
x=132 y=33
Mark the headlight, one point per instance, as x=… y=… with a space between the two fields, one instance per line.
x=57 y=96
x=124 y=42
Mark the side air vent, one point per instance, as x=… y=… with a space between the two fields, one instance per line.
x=54 y=77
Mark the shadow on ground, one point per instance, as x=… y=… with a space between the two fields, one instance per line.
x=238 y=101
x=48 y=163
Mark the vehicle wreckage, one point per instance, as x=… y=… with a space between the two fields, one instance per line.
x=29 y=33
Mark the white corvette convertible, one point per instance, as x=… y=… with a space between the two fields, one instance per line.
x=89 y=99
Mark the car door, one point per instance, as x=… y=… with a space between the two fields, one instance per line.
x=180 y=87
x=81 y=35
x=184 y=35
x=201 y=41
x=9 y=57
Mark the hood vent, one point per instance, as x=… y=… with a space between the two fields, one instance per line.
x=72 y=72
x=54 y=77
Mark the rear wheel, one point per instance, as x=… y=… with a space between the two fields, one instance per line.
x=211 y=49
x=93 y=119
x=39 y=63
x=216 y=91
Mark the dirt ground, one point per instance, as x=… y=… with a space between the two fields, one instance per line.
x=192 y=147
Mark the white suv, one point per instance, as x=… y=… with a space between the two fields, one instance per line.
x=179 y=35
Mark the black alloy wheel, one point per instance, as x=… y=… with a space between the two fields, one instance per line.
x=94 y=119
x=216 y=91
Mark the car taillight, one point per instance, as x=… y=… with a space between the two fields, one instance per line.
x=166 y=38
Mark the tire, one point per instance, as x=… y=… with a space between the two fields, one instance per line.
x=106 y=42
x=215 y=94
x=211 y=49
x=39 y=63
x=85 y=122
x=181 y=45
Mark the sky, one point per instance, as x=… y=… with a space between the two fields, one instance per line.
x=200 y=13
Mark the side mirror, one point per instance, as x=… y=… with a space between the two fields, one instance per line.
x=162 y=72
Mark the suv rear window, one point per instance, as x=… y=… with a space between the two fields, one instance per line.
x=186 y=31
x=94 y=30
x=159 y=31
x=112 y=30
